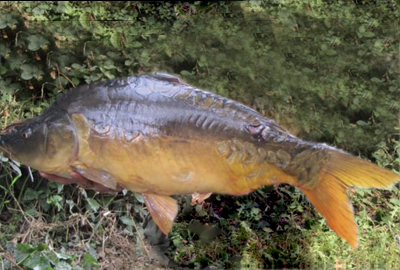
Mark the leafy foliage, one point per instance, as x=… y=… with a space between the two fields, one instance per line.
x=40 y=257
x=329 y=72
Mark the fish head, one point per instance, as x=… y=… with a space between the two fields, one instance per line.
x=47 y=144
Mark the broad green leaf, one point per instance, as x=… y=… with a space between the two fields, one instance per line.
x=40 y=9
x=31 y=194
x=84 y=20
x=7 y=20
x=4 y=50
x=115 y=40
x=369 y=34
x=37 y=42
x=22 y=252
x=30 y=71
x=376 y=80
x=127 y=220
x=89 y=262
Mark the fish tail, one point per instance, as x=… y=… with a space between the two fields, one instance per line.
x=328 y=191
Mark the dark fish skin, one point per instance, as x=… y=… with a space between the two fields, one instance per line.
x=161 y=104
x=158 y=103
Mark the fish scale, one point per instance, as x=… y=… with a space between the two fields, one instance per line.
x=157 y=135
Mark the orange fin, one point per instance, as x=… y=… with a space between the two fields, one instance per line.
x=163 y=209
x=328 y=192
x=331 y=200
x=353 y=171
x=198 y=198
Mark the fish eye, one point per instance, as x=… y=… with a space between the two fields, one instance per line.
x=26 y=133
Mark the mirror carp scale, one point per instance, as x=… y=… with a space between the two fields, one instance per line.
x=158 y=136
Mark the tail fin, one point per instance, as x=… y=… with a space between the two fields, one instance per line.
x=329 y=196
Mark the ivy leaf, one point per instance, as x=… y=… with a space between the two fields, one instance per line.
x=7 y=20
x=29 y=72
x=40 y=9
x=4 y=50
x=15 y=61
x=36 y=42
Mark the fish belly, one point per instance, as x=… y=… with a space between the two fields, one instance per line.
x=166 y=165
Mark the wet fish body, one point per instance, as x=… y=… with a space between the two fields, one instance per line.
x=198 y=140
x=159 y=136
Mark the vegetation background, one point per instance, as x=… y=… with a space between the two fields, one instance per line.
x=328 y=71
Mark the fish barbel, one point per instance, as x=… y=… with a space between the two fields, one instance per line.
x=158 y=136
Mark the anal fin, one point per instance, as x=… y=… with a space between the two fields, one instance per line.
x=163 y=209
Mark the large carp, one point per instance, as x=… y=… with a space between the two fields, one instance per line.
x=157 y=135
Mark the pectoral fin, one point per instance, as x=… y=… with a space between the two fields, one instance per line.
x=163 y=209
x=199 y=198
x=99 y=176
